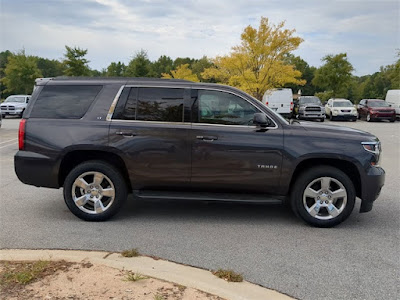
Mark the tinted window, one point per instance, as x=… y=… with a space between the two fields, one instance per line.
x=64 y=101
x=311 y=100
x=342 y=104
x=127 y=112
x=15 y=99
x=159 y=104
x=378 y=104
x=224 y=108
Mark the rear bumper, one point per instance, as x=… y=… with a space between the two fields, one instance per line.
x=372 y=183
x=36 y=169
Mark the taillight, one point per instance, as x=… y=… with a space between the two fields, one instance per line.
x=266 y=103
x=21 y=134
x=291 y=106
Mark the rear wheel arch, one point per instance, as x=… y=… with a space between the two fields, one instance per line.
x=73 y=158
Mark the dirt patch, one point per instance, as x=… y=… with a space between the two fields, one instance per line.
x=64 y=280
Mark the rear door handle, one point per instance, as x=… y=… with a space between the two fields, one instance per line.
x=207 y=138
x=125 y=133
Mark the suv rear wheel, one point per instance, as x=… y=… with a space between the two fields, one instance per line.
x=94 y=191
x=323 y=196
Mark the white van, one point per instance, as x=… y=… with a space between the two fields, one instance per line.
x=280 y=100
x=393 y=98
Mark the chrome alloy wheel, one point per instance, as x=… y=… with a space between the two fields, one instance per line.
x=325 y=198
x=93 y=192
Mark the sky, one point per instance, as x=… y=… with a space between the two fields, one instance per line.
x=114 y=30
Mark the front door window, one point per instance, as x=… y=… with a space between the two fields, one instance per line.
x=223 y=108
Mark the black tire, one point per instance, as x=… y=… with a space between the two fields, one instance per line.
x=368 y=118
x=3 y=116
x=393 y=120
x=299 y=204
x=322 y=119
x=112 y=180
x=331 y=117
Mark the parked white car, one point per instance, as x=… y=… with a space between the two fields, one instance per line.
x=279 y=100
x=393 y=99
x=338 y=108
x=14 y=105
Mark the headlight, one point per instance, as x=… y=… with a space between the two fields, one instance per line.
x=373 y=147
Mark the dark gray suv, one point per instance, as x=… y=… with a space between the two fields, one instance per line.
x=101 y=139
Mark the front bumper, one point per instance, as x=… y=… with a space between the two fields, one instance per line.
x=345 y=117
x=311 y=115
x=380 y=116
x=11 y=112
x=372 y=183
x=36 y=169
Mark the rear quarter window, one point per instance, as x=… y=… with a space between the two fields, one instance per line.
x=64 y=101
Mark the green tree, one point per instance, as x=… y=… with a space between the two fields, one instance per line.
x=257 y=64
x=139 y=66
x=3 y=62
x=182 y=72
x=20 y=73
x=97 y=73
x=75 y=62
x=50 y=67
x=116 y=69
x=307 y=74
x=335 y=75
x=392 y=73
x=199 y=65
x=182 y=61
x=164 y=64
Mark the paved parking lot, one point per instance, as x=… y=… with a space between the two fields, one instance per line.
x=357 y=260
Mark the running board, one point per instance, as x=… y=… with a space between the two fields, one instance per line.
x=201 y=196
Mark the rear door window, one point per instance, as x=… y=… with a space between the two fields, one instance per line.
x=64 y=101
x=153 y=104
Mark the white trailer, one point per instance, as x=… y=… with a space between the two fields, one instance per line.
x=279 y=100
x=393 y=98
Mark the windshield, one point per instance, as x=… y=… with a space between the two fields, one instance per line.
x=377 y=104
x=15 y=99
x=346 y=103
x=311 y=100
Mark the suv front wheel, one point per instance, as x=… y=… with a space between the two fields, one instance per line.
x=323 y=196
x=94 y=191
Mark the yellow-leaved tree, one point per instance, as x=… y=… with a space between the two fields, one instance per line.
x=257 y=64
x=181 y=72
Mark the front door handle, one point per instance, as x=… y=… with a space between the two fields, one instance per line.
x=125 y=133
x=207 y=138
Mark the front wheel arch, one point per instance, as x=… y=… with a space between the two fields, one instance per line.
x=349 y=168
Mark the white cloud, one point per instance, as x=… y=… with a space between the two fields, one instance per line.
x=114 y=30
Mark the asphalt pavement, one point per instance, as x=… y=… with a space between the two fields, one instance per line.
x=358 y=259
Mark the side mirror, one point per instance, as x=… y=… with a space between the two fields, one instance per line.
x=261 y=120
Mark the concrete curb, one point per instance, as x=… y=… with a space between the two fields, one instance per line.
x=180 y=274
